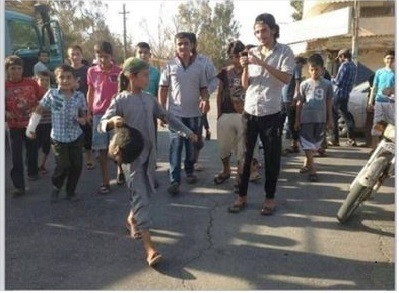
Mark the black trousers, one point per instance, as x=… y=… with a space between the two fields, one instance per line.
x=17 y=139
x=269 y=130
x=68 y=164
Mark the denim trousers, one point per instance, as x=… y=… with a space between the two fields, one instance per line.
x=17 y=139
x=176 y=148
x=268 y=128
x=340 y=106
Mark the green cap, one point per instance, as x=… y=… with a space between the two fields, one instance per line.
x=134 y=65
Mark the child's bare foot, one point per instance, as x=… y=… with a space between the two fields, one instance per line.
x=132 y=228
x=154 y=258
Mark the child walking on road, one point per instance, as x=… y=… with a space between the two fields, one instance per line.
x=137 y=109
x=68 y=108
x=44 y=128
x=313 y=110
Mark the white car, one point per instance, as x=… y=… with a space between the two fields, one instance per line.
x=357 y=106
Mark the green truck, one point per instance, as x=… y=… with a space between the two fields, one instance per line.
x=25 y=35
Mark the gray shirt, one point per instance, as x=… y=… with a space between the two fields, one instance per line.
x=314 y=94
x=39 y=67
x=263 y=96
x=210 y=72
x=184 y=87
x=138 y=111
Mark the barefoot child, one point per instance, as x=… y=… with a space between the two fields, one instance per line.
x=313 y=111
x=136 y=108
x=68 y=108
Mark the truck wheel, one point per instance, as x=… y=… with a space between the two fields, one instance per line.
x=356 y=196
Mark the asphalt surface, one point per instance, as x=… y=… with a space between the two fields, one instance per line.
x=84 y=245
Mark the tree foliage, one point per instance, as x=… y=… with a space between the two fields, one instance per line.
x=161 y=43
x=214 y=28
x=298 y=6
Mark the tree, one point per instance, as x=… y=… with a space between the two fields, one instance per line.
x=214 y=29
x=161 y=43
x=84 y=23
x=298 y=6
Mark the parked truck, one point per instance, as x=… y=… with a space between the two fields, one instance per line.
x=26 y=35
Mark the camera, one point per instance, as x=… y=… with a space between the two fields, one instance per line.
x=244 y=54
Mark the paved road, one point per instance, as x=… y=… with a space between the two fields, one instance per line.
x=83 y=245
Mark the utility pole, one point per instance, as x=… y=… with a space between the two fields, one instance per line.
x=124 y=12
x=355 y=30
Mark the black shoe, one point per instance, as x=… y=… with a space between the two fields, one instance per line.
x=54 y=195
x=18 y=192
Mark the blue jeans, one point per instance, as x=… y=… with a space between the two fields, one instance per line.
x=340 y=105
x=176 y=147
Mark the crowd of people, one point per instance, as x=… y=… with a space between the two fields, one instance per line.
x=115 y=111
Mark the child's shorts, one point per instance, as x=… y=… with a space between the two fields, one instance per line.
x=100 y=141
x=311 y=135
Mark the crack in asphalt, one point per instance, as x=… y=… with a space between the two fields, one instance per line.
x=208 y=230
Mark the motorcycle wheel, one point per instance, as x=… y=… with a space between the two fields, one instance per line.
x=356 y=196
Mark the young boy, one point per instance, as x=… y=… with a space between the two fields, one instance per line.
x=44 y=128
x=21 y=98
x=183 y=87
x=68 y=108
x=313 y=110
x=384 y=106
x=136 y=108
x=75 y=58
x=41 y=65
x=102 y=81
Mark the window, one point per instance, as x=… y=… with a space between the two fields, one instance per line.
x=24 y=36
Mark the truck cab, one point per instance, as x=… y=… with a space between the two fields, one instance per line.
x=25 y=36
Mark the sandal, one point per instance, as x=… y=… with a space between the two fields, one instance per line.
x=236 y=189
x=237 y=207
x=104 y=189
x=304 y=169
x=351 y=142
x=121 y=179
x=220 y=178
x=292 y=150
x=43 y=170
x=133 y=231
x=313 y=177
x=154 y=259
x=89 y=166
x=267 y=210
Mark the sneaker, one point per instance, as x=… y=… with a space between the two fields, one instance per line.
x=198 y=167
x=191 y=179
x=174 y=189
x=54 y=195
x=18 y=192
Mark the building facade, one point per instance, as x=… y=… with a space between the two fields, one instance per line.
x=366 y=27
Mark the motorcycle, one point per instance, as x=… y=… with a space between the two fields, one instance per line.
x=379 y=167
